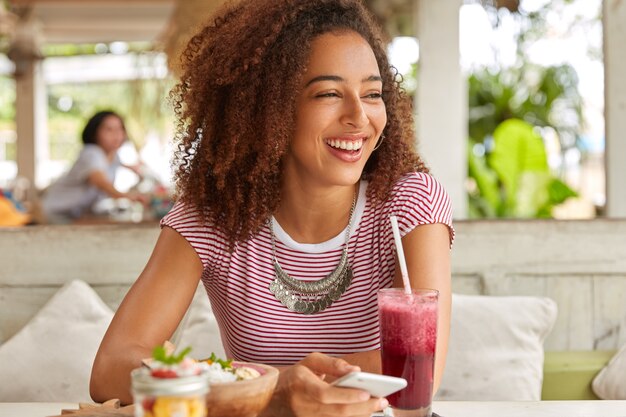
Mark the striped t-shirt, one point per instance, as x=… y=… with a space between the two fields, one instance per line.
x=256 y=327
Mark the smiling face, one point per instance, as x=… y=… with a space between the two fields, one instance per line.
x=340 y=113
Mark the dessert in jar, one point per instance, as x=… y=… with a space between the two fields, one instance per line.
x=172 y=386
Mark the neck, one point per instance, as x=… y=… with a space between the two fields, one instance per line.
x=315 y=216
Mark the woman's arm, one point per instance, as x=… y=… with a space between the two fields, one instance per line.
x=427 y=253
x=147 y=317
x=137 y=169
x=99 y=180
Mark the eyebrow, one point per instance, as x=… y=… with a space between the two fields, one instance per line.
x=339 y=79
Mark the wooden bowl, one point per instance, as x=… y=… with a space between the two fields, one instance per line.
x=242 y=398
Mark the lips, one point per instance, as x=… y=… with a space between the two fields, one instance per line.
x=347 y=148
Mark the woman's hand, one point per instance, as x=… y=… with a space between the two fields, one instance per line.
x=302 y=391
x=137 y=197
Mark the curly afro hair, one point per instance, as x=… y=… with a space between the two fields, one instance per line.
x=235 y=106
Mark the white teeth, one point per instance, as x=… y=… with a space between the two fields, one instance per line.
x=347 y=145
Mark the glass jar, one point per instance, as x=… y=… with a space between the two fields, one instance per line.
x=169 y=397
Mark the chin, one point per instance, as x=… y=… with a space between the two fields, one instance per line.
x=350 y=179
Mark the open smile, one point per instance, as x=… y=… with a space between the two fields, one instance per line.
x=346 y=144
x=347 y=149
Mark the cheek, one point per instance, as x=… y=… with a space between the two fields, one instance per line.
x=379 y=118
x=311 y=124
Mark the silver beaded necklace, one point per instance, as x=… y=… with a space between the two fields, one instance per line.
x=312 y=297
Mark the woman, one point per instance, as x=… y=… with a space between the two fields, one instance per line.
x=295 y=147
x=92 y=176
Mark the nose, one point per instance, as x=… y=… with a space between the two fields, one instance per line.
x=354 y=113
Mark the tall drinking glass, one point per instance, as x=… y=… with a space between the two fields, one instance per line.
x=408 y=335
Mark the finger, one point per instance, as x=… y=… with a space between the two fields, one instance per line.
x=320 y=392
x=324 y=364
x=337 y=395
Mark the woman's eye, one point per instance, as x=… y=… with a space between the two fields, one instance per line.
x=329 y=94
x=374 y=96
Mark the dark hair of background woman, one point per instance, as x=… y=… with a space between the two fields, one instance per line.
x=235 y=106
x=90 y=132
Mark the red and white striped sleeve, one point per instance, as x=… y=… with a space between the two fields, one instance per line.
x=205 y=239
x=420 y=199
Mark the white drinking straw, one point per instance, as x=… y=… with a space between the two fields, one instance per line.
x=400 y=250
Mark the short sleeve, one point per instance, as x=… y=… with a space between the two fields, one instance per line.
x=419 y=199
x=208 y=243
x=92 y=158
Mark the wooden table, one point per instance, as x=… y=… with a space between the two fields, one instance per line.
x=444 y=408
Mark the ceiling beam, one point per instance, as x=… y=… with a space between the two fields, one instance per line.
x=93 y=21
x=88 y=3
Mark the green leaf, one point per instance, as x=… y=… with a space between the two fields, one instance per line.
x=517 y=149
x=159 y=354
x=559 y=191
x=225 y=364
x=178 y=358
x=486 y=182
x=532 y=194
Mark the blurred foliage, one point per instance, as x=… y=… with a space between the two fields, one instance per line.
x=59 y=50
x=508 y=169
x=542 y=96
x=514 y=180
x=509 y=107
x=7 y=100
x=142 y=104
x=8 y=148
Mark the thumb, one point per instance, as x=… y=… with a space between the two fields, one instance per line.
x=323 y=364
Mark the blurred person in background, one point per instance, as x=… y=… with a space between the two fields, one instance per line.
x=92 y=176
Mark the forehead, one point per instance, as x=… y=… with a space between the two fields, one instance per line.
x=338 y=52
x=111 y=120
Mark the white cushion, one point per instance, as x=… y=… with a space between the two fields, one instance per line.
x=496 y=348
x=50 y=358
x=610 y=383
x=200 y=329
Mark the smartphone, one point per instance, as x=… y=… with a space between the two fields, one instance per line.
x=376 y=385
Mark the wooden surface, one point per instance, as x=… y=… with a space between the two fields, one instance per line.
x=111 y=408
x=580 y=264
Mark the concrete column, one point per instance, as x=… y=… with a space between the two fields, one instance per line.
x=31 y=105
x=614 y=15
x=441 y=99
x=31 y=122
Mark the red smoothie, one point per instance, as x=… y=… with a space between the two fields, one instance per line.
x=408 y=334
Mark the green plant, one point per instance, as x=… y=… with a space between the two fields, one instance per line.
x=514 y=179
x=509 y=108
x=542 y=96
